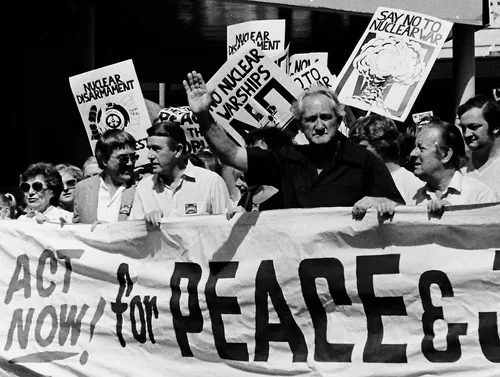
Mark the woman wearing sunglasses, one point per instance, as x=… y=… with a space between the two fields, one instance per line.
x=41 y=185
x=70 y=175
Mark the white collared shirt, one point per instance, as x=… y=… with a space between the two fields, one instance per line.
x=199 y=192
x=108 y=207
x=461 y=190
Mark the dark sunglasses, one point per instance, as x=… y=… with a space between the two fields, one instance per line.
x=70 y=183
x=37 y=186
x=124 y=159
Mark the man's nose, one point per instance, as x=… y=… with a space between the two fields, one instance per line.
x=467 y=133
x=414 y=152
x=150 y=155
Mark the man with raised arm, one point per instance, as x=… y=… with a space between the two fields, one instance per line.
x=328 y=172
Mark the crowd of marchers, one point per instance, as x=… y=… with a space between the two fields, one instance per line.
x=374 y=165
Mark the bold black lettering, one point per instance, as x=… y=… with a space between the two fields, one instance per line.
x=17 y=284
x=23 y=328
x=136 y=303
x=48 y=311
x=488 y=328
x=69 y=321
x=287 y=330
x=223 y=305
x=46 y=254
x=193 y=323
x=433 y=313
x=333 y=272
x=151 y=309
x=376 y=307
x=67 y=255
x=120 y=307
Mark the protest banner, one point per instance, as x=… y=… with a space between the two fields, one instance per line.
x=391 y=62
x=298 y=62
x=268 y=35
x=111 y=98
x=184 y=117
x=251 y=91
x=295 y=292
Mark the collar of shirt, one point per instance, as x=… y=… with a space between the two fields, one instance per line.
x=454 y=187
x=187 y=175
x=103 y=186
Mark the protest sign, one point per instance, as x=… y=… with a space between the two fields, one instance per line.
x=316 y=72
x=282 y=59
x=296 y=292
x=417 y=117
x=111 y=98
x=298 y=62
x=390 y=63
x=251 y=91
x=268 y=35
x=184 y=117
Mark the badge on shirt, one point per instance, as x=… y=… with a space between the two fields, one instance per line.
x=125 y=209
x=191 y=209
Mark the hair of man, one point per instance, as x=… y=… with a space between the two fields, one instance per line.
x=316 y=90
x=110 y=141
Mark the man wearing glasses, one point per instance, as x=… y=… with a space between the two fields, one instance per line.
x=108 y=197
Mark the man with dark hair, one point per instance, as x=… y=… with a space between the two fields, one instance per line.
x=479 y=118
x=329 y=172
x=108 y=197
x=176 y=187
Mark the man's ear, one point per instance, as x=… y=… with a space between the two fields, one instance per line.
x=178 y=150
x=447 y=154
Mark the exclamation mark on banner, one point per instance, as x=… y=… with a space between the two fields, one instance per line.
x=97 y=316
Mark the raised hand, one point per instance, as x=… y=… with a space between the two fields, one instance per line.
x=199 y=98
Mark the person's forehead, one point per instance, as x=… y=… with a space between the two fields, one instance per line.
x=429 y=135
x=160 y=141
x=66 y=175
x=38 y=177
x=124 y=150
x=474 y=115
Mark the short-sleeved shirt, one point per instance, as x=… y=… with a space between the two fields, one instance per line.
x=199 y=192
x=461 y=190
x=351 y=174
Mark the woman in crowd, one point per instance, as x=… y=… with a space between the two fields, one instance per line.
x=42 y=185
x=70 y=175
x=381 y=137
x=7 y=206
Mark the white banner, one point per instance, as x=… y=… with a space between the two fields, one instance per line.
x=391 y=62
x=299 y=62
x=111 y=98
x=295 y=292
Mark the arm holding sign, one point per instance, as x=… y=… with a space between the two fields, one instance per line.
x=199 y=99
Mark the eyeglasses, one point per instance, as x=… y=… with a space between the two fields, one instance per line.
x=70 y=183
x=37 y=186
x=124 y=159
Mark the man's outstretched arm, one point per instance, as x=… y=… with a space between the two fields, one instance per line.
x=199 y=99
